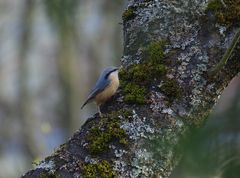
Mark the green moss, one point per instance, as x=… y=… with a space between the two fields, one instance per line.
x=159 y=71
x=154 y=60
x=49 y=175
x=126 y=112
x=98 y=140
x=43 y=175
x=106 y=131
x=136 y=79
x=137 y=73
x=171 y=89
x=134 y=94
x=89 y=171
x=229 y=15
x=105 y=169
x=102 y=169
x=213 y=5
x=152 y=67
x=155 y=52
x=123 y=141
x=128 y=14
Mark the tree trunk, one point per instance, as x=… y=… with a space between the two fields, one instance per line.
x=166 y=86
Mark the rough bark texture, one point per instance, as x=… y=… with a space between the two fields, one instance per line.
x=143 y=123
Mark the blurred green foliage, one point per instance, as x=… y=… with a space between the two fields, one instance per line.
x=213 y=150
x=61 y=12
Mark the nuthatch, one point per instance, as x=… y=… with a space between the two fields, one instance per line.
x=106 y=86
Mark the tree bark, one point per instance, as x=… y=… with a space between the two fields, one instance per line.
x=169 y=47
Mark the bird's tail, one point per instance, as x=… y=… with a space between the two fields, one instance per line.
x=86 y=102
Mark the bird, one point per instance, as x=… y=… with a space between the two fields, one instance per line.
x=105 y=87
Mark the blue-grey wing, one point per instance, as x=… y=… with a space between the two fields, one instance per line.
x=102 y=83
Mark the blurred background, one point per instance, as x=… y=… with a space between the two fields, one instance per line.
x=51 y=53
x=213 y=151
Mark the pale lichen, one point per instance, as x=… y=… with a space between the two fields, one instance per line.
x=46 y=165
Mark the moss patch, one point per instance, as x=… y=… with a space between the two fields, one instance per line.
x=128 y=14
x=229 y=15
x=171 y=89
x=106 y=131
x=49 y=175
x=137 y=78
x=134 y=94
x=89 y=171
x=101 y=169
x=155 y=52
x=152 y=67
x=105 y=169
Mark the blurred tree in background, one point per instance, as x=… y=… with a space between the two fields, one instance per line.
x=51 y=53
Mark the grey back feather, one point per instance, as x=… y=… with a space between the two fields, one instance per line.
x=101 y=83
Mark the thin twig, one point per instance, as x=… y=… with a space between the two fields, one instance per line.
x=227 y=54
